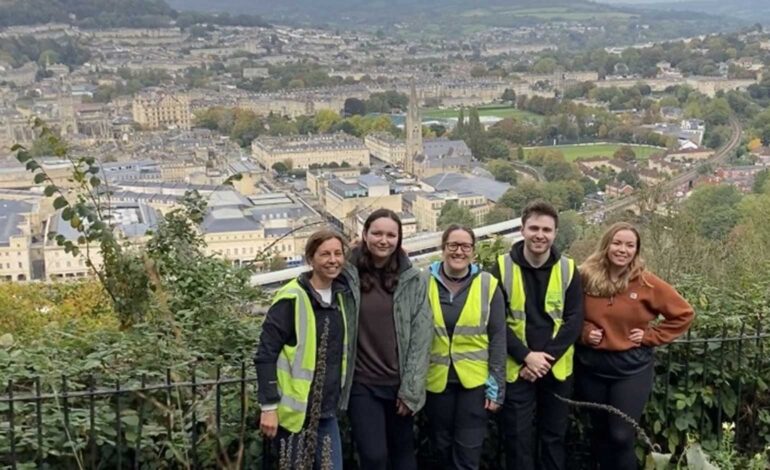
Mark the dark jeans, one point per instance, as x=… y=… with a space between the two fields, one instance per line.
x=612 y=439
x=326 y=427
x=458 y=425
x=383 y=439
x=535 y=424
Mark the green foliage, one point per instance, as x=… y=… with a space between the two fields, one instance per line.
x=760 y=182
x=453 y=213
x=715 y=209
x=121 y=270
x=488 y=251
x=161 y=305
x=23 y=49
x=503 y=171
x=499 y=214
x=386 y=102
x=562 y=194
x=91 y=14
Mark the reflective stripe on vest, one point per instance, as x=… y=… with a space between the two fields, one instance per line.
x=513 y=284
x=468 y=348
x=296 y=364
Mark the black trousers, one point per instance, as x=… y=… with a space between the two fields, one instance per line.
x=535 y=424
x=384 y=440
x=457 y=425
x=612 y=439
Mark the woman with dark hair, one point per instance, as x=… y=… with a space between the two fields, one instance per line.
x=466 y=375
x=391 y=357
x=300 y=382
x=615 y=356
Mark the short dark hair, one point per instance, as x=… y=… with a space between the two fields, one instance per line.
x=454 y=227
x=318 y=238
x=540 y=207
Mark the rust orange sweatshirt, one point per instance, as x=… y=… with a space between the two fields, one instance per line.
x=637 y=307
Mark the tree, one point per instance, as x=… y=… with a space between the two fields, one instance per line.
x=520 y=153
x=499 y=214
x=518 y=197
x=453 y=213
x=280 y=168
x=714 y=210
x=556 y=168
x=354 y=106
x=570 y=229
x=625 y=153
x=545 y=65
x=630 y=177
x=509 y=95
x=459 y=130
x=497 y=148
x=503 y=171
x=325 y=119
x=760 y=182
x=478 y=70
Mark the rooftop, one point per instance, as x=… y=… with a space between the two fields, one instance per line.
x=11 y=216
x=462 y=183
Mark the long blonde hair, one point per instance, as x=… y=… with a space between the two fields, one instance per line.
x=595 y=270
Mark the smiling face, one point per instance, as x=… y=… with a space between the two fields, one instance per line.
x=328 y=259
x=458 y=250
x=539 y=233
x=622 y=249
x=381 y=238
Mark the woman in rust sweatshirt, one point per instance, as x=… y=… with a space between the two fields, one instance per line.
x=615 y=354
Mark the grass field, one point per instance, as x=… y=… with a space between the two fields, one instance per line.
x=495 y=111
x=577 y=152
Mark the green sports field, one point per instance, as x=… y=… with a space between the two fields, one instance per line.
x=577 y=152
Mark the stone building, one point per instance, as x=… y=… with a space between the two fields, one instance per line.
x=427 y=207
x=347 y=197
x=386 y=147
x=158 y=109
x=306 y=151
x=16 y=239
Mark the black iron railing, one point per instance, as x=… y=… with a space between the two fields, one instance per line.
x=210 y=420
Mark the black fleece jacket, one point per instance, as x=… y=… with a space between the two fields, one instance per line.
x=279 y=330
x=539 y=329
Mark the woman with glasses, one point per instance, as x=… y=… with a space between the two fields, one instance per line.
x=466 y=375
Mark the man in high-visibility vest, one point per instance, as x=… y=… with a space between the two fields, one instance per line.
x=545 y=314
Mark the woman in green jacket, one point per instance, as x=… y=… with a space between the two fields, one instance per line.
x=395 y=330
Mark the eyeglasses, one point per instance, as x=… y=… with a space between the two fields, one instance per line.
x=453 y=247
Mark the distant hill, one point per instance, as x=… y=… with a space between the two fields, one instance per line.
x=457 y=18
x=755 y=11
x=107 y=13
x=384 y=10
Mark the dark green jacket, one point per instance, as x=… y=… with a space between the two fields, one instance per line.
x=414 y=333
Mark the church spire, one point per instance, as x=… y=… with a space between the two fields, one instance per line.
x=413 y=129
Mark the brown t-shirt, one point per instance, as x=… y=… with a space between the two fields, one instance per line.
x=377 y=357
x=637 y=307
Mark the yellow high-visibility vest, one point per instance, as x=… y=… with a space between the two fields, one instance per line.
x=296 y=364
x=513 y=284
x=468 y=348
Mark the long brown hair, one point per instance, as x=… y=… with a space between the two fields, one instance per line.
x=595 y=270
x=365 y=264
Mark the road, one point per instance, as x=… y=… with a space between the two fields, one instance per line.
x=719 y=157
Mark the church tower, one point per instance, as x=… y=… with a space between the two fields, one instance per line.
x=413 y=130
x=66 y=109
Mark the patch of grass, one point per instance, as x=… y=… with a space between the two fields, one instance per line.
x=578 y=152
